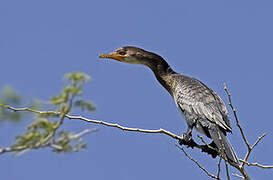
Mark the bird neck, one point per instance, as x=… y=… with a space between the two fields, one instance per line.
x=163 y=73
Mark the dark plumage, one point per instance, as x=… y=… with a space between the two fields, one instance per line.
x=200 y=106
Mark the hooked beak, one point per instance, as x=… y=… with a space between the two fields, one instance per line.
x=113 y=55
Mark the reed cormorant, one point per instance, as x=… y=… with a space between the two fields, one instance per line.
x=200 y=106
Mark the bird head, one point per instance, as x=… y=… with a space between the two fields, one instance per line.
x=134 y=55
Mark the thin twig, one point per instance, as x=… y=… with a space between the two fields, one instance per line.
x=219 y=167
x=82 y=133
x=256 y=164
x=196 y=162
x=41 y=113
x=237 y=175
x=258 y=140
x=227 y=172
x=236 y=117
x=5 y=149
x=240 y=167
x=251 y=148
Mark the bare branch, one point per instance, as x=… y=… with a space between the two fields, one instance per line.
x=227 y=172
x=241 y=167
x=251 y=148
x=236 y=117
x=82 y=133
x=196 y=162
x=41 y=113
x=5 y=149
x=258 y=140
x=256 y=164
x=219 y=167
x=237 y=175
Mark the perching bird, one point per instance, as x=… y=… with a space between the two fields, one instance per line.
x=200 y=106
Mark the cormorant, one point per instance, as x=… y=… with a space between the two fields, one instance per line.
x=200 y=106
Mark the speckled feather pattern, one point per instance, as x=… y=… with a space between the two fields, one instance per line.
x=198 y=103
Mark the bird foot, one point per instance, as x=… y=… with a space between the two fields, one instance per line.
x=187 y=140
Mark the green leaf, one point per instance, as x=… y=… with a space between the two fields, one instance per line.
x=57 y=100
x=9 y=96
x=84 y=105
x=77 y=77
x=43 y=125
x=75 y=90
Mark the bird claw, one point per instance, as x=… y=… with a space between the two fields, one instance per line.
x=186 y=137
x=187 y=140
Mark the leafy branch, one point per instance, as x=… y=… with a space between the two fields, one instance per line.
x=45 y=130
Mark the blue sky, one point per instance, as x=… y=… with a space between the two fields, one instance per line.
x=214 y=41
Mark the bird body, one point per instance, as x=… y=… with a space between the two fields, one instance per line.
x=200 y=106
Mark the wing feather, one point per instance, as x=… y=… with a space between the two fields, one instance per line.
x=198 y=102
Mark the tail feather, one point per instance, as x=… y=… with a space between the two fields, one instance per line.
x=229 y=151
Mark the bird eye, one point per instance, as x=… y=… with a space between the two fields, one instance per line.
x=121 y=53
